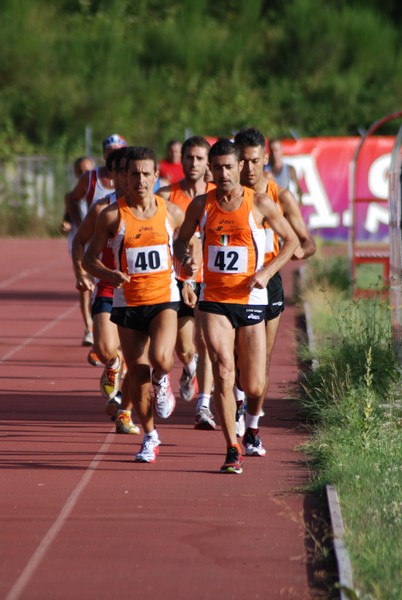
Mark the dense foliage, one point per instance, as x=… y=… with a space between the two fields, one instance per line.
x=156 y=69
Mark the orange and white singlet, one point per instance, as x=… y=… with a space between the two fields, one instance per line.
x=233 y=250
x=178 y=197
x=143 y=249
x=271 y=239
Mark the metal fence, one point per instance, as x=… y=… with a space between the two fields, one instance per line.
x=33 y=188
x=395 y=230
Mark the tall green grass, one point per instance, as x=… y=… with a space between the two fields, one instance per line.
x=353 y=402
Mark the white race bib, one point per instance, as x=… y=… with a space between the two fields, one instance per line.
x=227 y=259
x=149 y=259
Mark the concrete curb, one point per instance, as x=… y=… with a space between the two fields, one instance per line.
x=346 y=588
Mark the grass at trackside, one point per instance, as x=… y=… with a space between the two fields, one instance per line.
x=353 y=403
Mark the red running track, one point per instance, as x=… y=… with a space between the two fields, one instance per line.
x=80 y=519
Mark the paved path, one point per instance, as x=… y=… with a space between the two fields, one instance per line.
x=80 y=519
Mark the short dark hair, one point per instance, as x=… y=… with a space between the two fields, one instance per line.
x=141 y=153
x=249 y=137
x=196 y=141
x=115 y=157
x=224 y=147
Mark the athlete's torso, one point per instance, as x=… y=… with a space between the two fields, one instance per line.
x=143 y=249
x=96 y=190
x=283 y=177
x=233 y=250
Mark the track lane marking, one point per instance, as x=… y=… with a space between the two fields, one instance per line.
x=37 y=557
x=45 y=328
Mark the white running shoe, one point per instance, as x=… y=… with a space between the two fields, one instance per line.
x=204 y=419
x=88 y=338
x=165 y=400
x=188 y=385
x=149 y=450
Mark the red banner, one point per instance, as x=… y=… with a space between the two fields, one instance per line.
x=323 y=166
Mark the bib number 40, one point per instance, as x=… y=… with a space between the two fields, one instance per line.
x=147 y=260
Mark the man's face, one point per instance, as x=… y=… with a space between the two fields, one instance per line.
x=276 y=151
x=225 y=171
x=174 y=153
x=141 y=178
x=84 y=166
x=254 y=158
x=194 y=163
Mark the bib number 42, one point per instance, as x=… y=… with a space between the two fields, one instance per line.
x=227 y=259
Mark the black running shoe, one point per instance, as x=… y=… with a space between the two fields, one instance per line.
x=233 y=462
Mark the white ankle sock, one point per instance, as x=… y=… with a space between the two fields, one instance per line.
x=203 y=401
x=153 y=434
x=252 y=421
x=239 y=394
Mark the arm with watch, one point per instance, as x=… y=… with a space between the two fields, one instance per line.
x=190 y=267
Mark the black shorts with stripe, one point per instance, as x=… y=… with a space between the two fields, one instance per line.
x=276 y=298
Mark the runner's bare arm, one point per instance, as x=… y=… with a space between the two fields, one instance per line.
x=292 y=214
x=268 y=210
x=72 y=198
x=182 y=247
x=293 y=177
x=84 y=234
x=105 y=228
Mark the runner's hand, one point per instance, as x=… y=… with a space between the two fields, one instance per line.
x=118 y=278
x=189 y=296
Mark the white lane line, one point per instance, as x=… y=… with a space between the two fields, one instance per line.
x=50 y=536
x=27 y=273
x=38 y=333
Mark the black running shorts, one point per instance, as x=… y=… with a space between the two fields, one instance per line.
x=240 y=315
x=276 y=298
x=139 y=317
